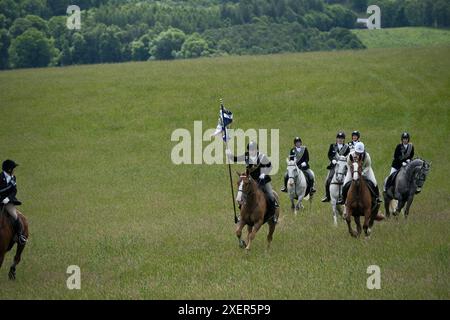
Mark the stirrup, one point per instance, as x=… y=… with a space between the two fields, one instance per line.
x=326 y=199
x=283 y=189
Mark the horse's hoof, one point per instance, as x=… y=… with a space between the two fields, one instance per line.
x=12 y=274
x=242 y=244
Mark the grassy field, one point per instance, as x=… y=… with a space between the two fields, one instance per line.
x=100 y=190
x=407 y=37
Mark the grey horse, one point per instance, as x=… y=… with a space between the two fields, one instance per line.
x=409 y=178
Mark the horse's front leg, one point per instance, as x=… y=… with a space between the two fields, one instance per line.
x=239 y=228
x=367 y=221
x=2 y=257
x=387 y=201
x=253 y=234
x=408 y=205
x=335 y=211
x=358 y=225
x=348 y=219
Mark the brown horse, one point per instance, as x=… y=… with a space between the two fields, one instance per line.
x=359 y=202
x=253 y=210
x=7 y=239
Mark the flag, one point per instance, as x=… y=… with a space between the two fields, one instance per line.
x=225 y=119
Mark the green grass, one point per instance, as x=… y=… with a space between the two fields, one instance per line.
x=101 y=192
x=406 y=37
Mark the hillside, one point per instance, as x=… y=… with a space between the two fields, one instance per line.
x=403 y=37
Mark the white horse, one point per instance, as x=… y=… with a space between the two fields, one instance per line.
x=340 y=171
x=296 y=186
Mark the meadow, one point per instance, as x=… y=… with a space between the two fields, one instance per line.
x=100 y=190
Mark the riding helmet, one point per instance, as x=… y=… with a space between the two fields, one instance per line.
x=405 y=135
x=297 y=139
x=359 y=147
x=9 y=165
x=340 y=135
x=356 y=133
x=253 y=145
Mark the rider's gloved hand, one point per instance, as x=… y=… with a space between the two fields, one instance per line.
x=403 y=163
x=5 y=201
x=262 y=176
x=333 y=161
x=408 y=161
x=303 y=164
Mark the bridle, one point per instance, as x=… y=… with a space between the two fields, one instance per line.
x=337 y=174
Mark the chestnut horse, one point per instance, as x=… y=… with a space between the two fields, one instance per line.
x=359 y=202
x=253 y=210
x=8 y=238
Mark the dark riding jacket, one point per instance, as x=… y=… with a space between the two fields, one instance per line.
x=262 y=162
x=300 y=157
x=334 y=152
x=402 y=154
x=8 y=190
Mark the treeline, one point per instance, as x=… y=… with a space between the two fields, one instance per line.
x=33 y=33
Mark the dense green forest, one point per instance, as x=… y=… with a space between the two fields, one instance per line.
x=33 y=33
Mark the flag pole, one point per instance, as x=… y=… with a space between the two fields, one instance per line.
x=224 y=129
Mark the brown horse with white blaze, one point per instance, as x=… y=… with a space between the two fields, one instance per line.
x=253 y=210
x=359 y=202
x=8 y=238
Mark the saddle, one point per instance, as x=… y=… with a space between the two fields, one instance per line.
x=372 y=191
x=9 y=220
x=308 y=182
x=391 y=179
x=270 y=212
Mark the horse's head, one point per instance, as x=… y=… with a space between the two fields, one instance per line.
x=340 y=170
x=292 y=172
x=244 y=186
x=421 y=173
x=356 y=167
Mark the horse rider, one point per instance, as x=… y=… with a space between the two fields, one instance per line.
x=8 y=200
x=403 y=154
x=299 y=153
x=334 y=152
x=367 y=172
x=356 y=136
x=259 y=167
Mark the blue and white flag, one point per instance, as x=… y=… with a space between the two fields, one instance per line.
x=225 y=119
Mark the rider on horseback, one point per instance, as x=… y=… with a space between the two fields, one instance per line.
x=404 y=152
x=367 y=172
x=8 y=200
x=356 y=135
x=300 y=155
x=259 y=167
x=336 y=149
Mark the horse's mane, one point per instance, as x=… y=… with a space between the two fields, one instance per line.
x=413 y=165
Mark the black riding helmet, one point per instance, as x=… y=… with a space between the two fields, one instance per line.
x=340 y=135
x=297 y=139
x=9 y=165
x=405 y=135
x=356 y=133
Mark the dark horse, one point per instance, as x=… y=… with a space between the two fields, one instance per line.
x=253 y=210
x=407 y=180
x=8 y=238
x=359 y=202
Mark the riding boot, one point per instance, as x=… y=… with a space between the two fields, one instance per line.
x=377 y=194
x=284 y=188
x=327 y=191
x=18 y=229
x=344 y=193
